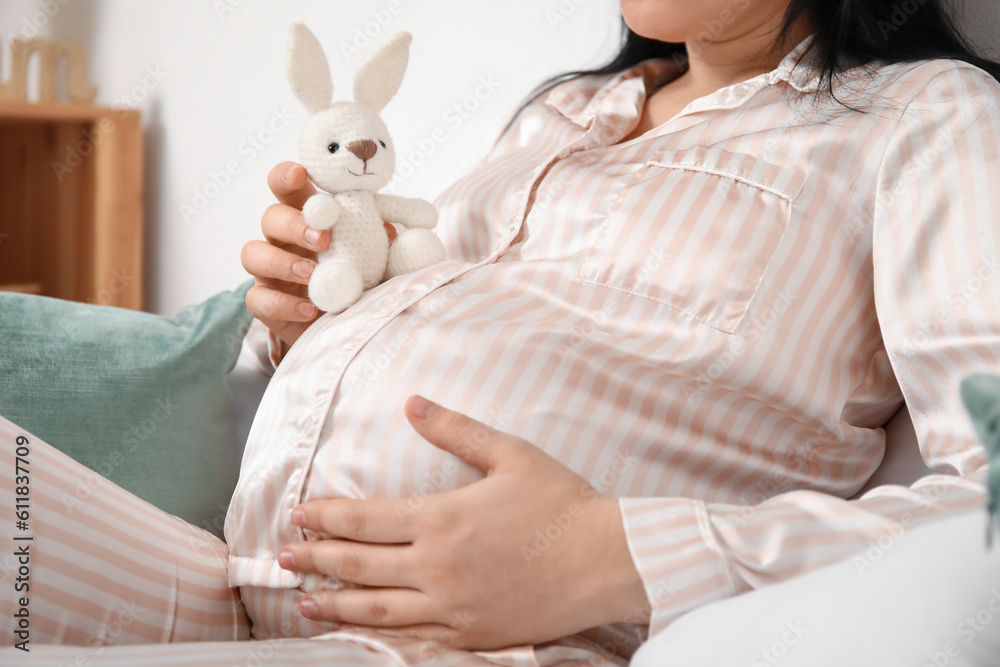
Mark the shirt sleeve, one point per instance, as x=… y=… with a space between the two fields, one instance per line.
x=937 y=298
x=262 y=349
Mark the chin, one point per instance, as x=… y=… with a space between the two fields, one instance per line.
x=671 y=21
x=679 y=21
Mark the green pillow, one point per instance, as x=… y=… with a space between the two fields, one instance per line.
x=981 y=395
x=137 y=397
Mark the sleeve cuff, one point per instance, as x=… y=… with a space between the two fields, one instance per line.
x=276 y=350
x=261 y=348
x=678 y=558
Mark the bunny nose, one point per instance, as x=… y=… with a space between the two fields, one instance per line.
x=364 y=149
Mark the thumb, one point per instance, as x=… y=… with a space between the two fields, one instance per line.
x=472 y=441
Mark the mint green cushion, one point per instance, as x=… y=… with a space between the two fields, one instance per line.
x=137 y=397
x=981 y=396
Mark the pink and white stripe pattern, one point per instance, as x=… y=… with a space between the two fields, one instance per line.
x=105 y=567
x=709 y=322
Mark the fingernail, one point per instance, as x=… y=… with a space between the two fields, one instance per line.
x=307 y=309
x=312 y=236
x=298 y=518
x=307 y=607
x=288 y=174
x=302 y=268
x=286 y=560
x=422 y=408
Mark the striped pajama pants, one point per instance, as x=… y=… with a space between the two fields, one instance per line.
x=101 y=577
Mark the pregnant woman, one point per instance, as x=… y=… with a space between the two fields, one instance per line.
x=682 y=293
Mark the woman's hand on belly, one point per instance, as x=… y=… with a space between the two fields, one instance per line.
x=528 y=554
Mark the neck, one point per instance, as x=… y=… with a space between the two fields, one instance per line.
x=717 y=64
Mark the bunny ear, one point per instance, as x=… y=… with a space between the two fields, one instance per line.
x=379 y=77
x=308 y=70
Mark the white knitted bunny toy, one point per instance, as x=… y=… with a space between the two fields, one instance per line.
x=347 y=151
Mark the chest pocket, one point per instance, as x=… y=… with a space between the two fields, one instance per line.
x=695 y=230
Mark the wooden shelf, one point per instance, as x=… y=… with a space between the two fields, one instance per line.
x=22 y=288
x=59 y=112
x=71 y=202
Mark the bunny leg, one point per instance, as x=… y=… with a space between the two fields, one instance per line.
x=413 y=250
x=335 y=284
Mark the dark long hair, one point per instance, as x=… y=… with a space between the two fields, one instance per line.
x=846 y=34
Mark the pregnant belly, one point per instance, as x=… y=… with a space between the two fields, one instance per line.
x=368 y=449
x=335 y=425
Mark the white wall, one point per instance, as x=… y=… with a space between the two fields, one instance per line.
x=209 y=74
x=980 y=19
x=223 y=82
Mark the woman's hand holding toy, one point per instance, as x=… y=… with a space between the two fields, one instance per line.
x=282 y=263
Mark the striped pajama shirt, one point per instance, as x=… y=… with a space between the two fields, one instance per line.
x=709 y=322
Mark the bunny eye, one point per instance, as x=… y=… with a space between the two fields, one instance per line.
x=333 y=148
x=382 y=142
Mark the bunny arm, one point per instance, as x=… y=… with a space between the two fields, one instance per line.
x=321 y=211
x=406 y=211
